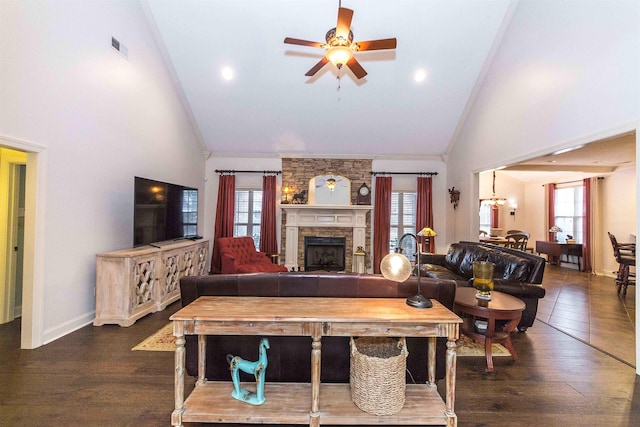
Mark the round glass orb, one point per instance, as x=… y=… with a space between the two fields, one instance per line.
x=395 y=267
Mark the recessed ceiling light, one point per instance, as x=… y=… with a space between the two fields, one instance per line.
x=420 y=75
x=227 y=73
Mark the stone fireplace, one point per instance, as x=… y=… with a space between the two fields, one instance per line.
x=348 y=222
x=314 y=217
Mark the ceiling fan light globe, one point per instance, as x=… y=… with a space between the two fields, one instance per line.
x=339 y=55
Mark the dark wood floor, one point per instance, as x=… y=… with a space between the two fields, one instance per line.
x=92 y=378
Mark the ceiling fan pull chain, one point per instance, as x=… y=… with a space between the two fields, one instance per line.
x=338 y=89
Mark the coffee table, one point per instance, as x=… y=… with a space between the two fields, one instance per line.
x=501 y=307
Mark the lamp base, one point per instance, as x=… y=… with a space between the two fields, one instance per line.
x=418 y=301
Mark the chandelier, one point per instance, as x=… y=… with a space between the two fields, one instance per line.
x=494 y=201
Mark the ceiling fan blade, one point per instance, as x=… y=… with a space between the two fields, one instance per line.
x=290 y=40
x=317 y=67
x=356 y=68
x=344 y=22
x=377 y=44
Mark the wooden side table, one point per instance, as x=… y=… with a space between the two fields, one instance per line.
x=501 y=307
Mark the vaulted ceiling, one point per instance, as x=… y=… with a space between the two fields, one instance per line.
x=269 y=106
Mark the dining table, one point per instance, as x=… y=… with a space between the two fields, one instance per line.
x=496 y=240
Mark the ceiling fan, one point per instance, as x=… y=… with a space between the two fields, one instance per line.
x=340 y=47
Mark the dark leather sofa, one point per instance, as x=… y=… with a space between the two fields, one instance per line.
x=516 y=272
x=290 y=357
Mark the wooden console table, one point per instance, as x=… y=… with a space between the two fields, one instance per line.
x=555 y=250
x=311 y=403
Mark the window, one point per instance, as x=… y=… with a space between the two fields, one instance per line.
x=485 y=218
x=190 y=212
x=569 y=212
x=403 y=220
x=248 y=212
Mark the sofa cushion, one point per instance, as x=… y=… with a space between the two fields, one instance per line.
x=438 y=272
x=508 y=266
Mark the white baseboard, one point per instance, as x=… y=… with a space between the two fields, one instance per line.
x=68 y=327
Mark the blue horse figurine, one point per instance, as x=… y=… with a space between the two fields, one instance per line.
x=257 y=368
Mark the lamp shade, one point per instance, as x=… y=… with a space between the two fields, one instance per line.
x=395 y=267
x=555 y=229
x=427 y=232
x=339 y=55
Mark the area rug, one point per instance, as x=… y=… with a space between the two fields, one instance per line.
x=163 y=340
x=468 y=347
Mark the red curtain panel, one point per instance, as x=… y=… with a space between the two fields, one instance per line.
x=268 y=241
x=424 y=209
x=224 y=216
x=381 y=220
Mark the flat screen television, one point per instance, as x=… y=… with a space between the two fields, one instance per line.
x=163 y=211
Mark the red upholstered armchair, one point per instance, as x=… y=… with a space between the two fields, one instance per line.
x=239 y=255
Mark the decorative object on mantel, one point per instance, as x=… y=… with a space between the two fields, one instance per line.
x=340 y=47
x=257 y=368
x=330 y=189
x=358 y=260
x=286 y=190
x=364 y=195
x=300 y=198
x=555 y=229
x=455 y=196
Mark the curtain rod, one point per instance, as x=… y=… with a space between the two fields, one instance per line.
x=571 y=182
x=222 y=171
x=403 y=173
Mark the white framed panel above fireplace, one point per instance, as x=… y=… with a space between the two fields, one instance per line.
x=297 y=216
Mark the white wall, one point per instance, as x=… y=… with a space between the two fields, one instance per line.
x=550 y=86
x=102 y=119
x=567 y=72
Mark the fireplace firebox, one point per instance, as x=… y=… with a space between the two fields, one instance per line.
x=324 y=253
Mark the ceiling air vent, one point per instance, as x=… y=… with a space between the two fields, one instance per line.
x=115 y=43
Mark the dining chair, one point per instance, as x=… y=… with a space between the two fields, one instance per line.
x=625 y=254
x=517 y=241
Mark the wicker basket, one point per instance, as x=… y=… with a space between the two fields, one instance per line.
x=377 y=376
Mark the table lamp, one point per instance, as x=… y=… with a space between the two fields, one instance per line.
x=427 y=233
x=555 y=229
x=395 y=266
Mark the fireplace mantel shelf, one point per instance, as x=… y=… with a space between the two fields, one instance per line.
x=327 y=207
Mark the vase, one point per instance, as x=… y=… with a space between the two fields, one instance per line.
x=483 y=279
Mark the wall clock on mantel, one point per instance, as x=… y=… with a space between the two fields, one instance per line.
x=364 y=195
